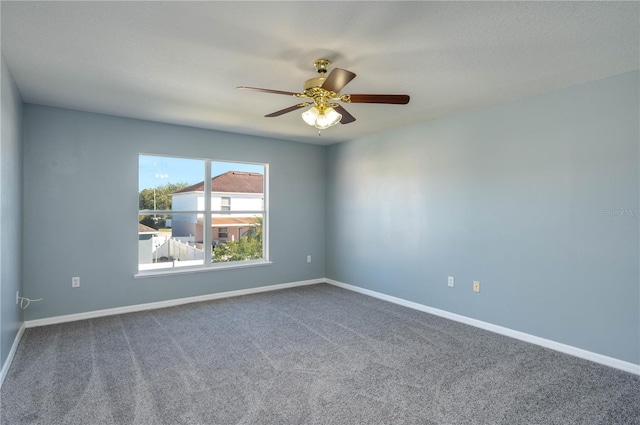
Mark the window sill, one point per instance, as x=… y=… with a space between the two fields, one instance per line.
x=199 y=269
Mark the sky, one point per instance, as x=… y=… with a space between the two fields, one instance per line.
x=154 y=171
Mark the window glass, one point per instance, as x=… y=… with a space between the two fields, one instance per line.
x=176 y=207
x=239 y=191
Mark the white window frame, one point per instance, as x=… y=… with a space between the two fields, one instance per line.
x=209 y=265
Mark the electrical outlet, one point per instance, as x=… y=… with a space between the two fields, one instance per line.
x=308 y=258
x=476 y=286
x=75 y=282
x=450 y=281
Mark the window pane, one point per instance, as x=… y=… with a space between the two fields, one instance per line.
x=178 y=243
x=166 y=183
x=237 y=186
x=237 y=205
x=237 y=237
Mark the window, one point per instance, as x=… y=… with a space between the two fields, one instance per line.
x=180 y=198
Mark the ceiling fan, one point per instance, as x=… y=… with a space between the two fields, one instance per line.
x=323 y=92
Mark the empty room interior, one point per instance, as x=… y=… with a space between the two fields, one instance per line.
x=320 y=212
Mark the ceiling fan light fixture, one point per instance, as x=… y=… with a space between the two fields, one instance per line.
x=321 y=93
x=310 y=115
x=321 y=120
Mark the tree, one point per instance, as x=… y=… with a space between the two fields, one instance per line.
x=162 y=196
x=158 y=198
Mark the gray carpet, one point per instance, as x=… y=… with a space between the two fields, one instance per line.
x=309 y=355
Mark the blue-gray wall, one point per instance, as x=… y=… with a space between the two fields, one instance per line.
x=80 y=209
x=537 y=199
x=10 y=211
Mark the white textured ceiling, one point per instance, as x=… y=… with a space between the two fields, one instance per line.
x=179 y=62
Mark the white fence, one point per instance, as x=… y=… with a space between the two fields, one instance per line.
x=178 y=250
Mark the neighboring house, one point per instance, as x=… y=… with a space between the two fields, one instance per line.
x=234 y=195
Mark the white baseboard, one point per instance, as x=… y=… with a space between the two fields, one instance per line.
x=547 y=343
x=162 y=304
x=12 y=352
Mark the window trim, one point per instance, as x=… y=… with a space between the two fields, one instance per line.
x=201 y=269
x=208 y=238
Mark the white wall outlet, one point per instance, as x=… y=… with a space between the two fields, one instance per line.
x=75 y=282
x=308 y=258
x=17 y=297
x=450 y=281
x=476 y=286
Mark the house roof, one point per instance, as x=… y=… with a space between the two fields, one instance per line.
x=146 y=229
x=231 y=181
x=233 y=221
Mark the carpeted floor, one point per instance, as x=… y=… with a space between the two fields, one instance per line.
x=309 y=355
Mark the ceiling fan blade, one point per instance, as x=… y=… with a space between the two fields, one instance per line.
x=287 y=93
x=287 y=110
x=337 y=79
x=346 y=116
x=395 y=99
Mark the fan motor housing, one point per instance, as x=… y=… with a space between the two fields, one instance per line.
x=313 y=83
